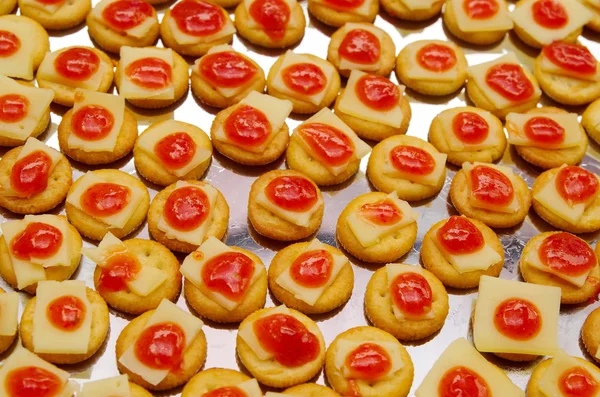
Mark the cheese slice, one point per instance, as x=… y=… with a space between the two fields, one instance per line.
x=363 y=9
x=293 y=22
x=109 y=246
x=195 y=236
x=515 y=126
x=114 y=104
x=63 y=256
x=249 y=387
x=9 y=313
x=276 y=110
x=419 y=4
x=369 y=234
x=350 y=103
x=227 y=92
x=138 y=32
x=551 y=68
x=561 y=364
x=128 y=89
x=415 y=71
x=43 y=6
x=48 y=72
x=478 y=73
x=26 y=273
x=19 y=64
x=153 y=134
x=32 y=145
x=461 y=353
x=394 y=270
x=194 y=263
x=578 y=16
x=166 y=312
x=246 y=332
x=39 y=101
x=187 y=39
x=346 y=64
x=446 y=119
x=49 y=339
x=431 y=179
x=117 y=220
x=345 y=347
x=290 y=59
x=492 y=292
x=117 y=386
x=307 y=294
x=500 y=21
x=324 y=116
x=510 y=208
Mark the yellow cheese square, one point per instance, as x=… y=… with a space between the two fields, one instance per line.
x=107 y=247
x=137 y=32
x=456 y=145
x=361 y=10
x=43 y=6
x=9 y=312
x=147 y=280
x=20 y=64
x=561 y=363
x=393 y=270
x=26 y=273
x=295 y=217
x=117 y=386
x=247 y=334
x=500 y=21
x=515 y=125
x=292 y=22
x=63 y=256
x=415 y=71
x=128 y=89
x=227 y=92
x=551 y=68
x=345 y=347
x=48 y=72
x=346 y=64
x=431 y=179
x=512 y=207
x=185 y=39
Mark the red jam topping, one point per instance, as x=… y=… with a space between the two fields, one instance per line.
x=127 y=14
x=292 y=193
x=288 y=339
x=481 y=9
x=436 y=57
x=576 y=185
x=38 y=240
x=29 y=175
x=105 y=199
x=272 y=15
x=227 y=69
x=312 y=269
x=304 y=78
x=488 y=185
x=229 y=274
x=360 y=46
x=544 y=130
x=119 y=269
x=470 y=128
x=186 y=208
x=92 y=122
x=149 y=73
x=227 y=391
x=577 y=382
x=9 y=43
x=411 y=294
x=176 y=150
x=198 y=18
x=13 y=108
x=377 y=92
x=247 y=126
x=77 y=63
x=518 y=319
x=382 y=213
x=327 y=143
x=66 y=313
x=412 y=160
x=572 y=57
x=567 y=254
x=32 y=382
x=344 y=5
x=463 y=382
x=369 y=361
x=161 y=346
x=550 y=14
x=50 y=2
x=460 y=236
x=510 y=81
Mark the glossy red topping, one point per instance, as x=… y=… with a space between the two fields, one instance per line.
x=518 y=319
x=510 y=81
x=29 y=175
x=176 y=150
x=436 y=57
x=576 y=185
x=272 y=15
x=550 y=14
x=77 y=63
x=227 y=69
x=229 y=274
x=50 y=2
x=411 y=294
x=377 y=92
x=491 y=186
x=382 y=213
x=105 y=199
x=577 y=382
x=412 y=160
x=186 y=208
x=149 y=73
x=463 y=382
x=480 y=9
x=292 y=193
x=247 y=126
x=32 y=382
x=127 y=14
x=328 y=143
x=38 y=240
x=13 y=108
x=288 y=339
x=470 y=128
x=567 y=254
x=304 y=78
x=360 y=46
x=227 y=391
x=544 y=130
x=161 y=346
x=460 y=236
x=66 y=313
x=92 y=122
x=119 y=269
x=344 y=4
x=570 y=56
x=9 y=43
x=198 y=18
x=312 y=269
x=368 y=361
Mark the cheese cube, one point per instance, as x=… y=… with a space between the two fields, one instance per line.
x=9 y=312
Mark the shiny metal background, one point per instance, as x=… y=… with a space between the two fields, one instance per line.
x=234 y=182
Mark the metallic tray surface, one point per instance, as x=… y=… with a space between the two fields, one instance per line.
x=234 y=181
